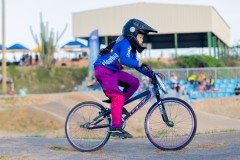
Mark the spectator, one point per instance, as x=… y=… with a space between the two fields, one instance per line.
x=201 y=78
x=36 y=59
x=22 y=91
x=149 y=84
x=30 y=60
x=93 y=84
x=145 y=83
x=177 y=89
x=192 y=78
x=23 y=60
x=201 y=87
x=173 y=80
x=237 y=90
x=208 y=86
x=14 y=58
x=211 y=80
x=11 y=91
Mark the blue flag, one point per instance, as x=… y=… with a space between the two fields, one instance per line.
x=94 y=48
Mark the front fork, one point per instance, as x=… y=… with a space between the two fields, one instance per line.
x=164 y=114
x=162 y=107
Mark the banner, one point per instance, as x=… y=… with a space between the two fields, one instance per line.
x=94 y=48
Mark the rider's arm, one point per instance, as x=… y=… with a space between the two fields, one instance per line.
x=146 y=73
x=126 y=55
x=139 y=69
x=129 y=59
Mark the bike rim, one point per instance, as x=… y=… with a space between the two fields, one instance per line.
x=171 y=137
x=82 y=138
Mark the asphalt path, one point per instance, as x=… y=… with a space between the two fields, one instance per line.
x=215 y=146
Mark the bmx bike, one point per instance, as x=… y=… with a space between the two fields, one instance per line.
x=170 y=123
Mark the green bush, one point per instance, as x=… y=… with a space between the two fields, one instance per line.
x=39 y=80
x=197 y=61
x=157 y=64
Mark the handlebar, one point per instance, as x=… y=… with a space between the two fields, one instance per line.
x=158 y=78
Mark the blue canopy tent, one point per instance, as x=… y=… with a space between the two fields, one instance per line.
x=73 y=45
x=17 y=48
x=76 y=47
x=17 y=58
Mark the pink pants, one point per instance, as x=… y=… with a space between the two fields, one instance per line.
x=110 y=82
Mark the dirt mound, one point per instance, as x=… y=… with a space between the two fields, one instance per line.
x=229 y=106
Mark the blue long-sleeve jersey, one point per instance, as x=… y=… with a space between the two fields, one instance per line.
x=121 y=55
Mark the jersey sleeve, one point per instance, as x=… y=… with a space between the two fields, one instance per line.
x=126 y=57
x=149 y=74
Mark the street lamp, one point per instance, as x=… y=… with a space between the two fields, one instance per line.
x=4 y=87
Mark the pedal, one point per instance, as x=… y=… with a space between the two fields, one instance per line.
x=122 y=137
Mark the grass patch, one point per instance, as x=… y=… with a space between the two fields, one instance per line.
x=38 y=80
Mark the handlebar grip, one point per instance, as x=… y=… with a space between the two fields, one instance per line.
x=146 y=67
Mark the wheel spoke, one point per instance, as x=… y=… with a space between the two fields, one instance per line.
x=177 y=136
x=78 y=135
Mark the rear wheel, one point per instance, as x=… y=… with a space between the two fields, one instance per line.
x=179 y=132
x=78 y=129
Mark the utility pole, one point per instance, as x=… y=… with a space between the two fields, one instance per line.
x=4 y=75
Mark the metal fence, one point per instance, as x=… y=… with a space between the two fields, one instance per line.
x=183 y=73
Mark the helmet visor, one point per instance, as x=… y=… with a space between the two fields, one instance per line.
x=143 y=27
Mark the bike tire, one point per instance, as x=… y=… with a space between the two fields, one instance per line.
x=83 y=139
x=171 y=138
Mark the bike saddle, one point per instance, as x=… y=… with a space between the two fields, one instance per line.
x=107 y=101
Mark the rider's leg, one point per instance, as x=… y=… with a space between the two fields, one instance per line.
x=130 y=83
x=117 y=99
x=109 y=82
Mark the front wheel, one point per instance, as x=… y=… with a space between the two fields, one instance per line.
x=78 y=127
x=180 y=130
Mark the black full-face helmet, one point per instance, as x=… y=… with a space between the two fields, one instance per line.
x=134 y=27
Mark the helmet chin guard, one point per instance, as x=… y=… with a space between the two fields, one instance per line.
x=135 y=44
x=134 y=27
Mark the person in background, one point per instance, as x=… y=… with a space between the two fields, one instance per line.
x=22 y=91
x=173 y=80
x=237 y=90
x=145 y=83
x=211 y=81
x=93 y=84
x=202 y=87
x=192 y=78
x=177 y=89
x=208 y=86
x=30 y=60
x=11 y=91
x=202 y=78
x=36 y=58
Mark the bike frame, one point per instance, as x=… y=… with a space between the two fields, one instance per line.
x=148 y=95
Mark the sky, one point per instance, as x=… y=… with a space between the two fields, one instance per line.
x=21 y=14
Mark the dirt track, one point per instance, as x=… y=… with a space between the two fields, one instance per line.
x=220 y=146
x=213 y=115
